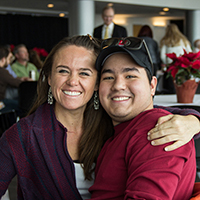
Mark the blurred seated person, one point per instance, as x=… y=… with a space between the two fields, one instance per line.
x=10 y=60
x=7 y=80
x=35 y=59
x=11 y=92
x=196 y=45
x=147 y=34
x=172 y=42
x=22 y=66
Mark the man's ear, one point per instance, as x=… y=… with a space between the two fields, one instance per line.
x=3 y=61
x=16 y=55
x=153 y=85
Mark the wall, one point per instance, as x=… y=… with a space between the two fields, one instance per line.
x=180 y=4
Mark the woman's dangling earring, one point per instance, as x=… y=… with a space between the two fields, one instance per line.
x=96 y=101
x=50 y=96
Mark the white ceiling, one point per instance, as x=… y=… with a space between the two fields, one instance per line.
x=39 y=7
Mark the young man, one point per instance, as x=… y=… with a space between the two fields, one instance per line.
x=129 y=167
x=109 y=29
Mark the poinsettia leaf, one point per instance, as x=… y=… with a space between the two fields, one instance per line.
x=172 y=56
x=190 y=56
x=197 y=55
x=174 y=72
x=171 y=67
x=185 y=66
x=184 y=60
x=196 y=64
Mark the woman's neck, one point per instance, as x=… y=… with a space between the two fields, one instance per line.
x=71 y=120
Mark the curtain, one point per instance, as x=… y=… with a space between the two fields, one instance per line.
x=33 y=31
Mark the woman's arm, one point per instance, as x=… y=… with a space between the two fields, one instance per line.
x=175 y=128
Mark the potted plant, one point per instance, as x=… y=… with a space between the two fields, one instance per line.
x=185 y=71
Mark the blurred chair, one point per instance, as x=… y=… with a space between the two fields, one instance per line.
x=197 y=146
x=195 y=107
x=27 y=94
x=7 y=119
x=196 y=192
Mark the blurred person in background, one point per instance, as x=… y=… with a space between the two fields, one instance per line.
x=109 y=28
x=147 y=34
x=196 y=45
x=6 y=79
x=35 y=59
x=22 y=67
x=10 y=60
x=172 y=42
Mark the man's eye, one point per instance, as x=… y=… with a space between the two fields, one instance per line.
x=108 y=78
x=130 y=76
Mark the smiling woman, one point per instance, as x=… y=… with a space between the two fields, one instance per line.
x=72 y=80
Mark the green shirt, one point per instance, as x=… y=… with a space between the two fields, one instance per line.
x=23 y=71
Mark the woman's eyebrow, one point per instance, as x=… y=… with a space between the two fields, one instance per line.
x=81 y=69
x=63 y=66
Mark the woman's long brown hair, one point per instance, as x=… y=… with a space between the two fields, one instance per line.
x=97 y=126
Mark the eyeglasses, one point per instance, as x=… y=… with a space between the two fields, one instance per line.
x=131 y=43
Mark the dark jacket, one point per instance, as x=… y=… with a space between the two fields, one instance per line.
x=7 y=80
x=35 y=149
x=119 y=31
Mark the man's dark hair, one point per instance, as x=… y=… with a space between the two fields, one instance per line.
x=149 y=76
x=16 y=49
x=3 y=52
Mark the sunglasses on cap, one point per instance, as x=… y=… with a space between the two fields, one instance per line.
x=131 y=43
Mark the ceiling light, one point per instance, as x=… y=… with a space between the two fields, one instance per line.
x=61 y=14
x=165 y=9
x=110 y=4
x=162 y=13
x=50 y=5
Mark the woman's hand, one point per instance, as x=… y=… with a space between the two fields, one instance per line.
x=174 y=128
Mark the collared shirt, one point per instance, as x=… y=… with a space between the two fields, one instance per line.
x=11 y=72
x=110 y=30
x=23 y=71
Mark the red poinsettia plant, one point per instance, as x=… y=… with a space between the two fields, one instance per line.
x=184 y=67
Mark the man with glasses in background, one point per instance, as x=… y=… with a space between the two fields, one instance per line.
x=109 y=29
x=22 y=67
x=129 y=167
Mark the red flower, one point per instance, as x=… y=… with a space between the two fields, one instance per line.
x=41 y=52
x=191 y=56
x=185 y=66
x=184 y=62
x=172 y=56
x=12 y=47
x=196 y=64
x=173 y=70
